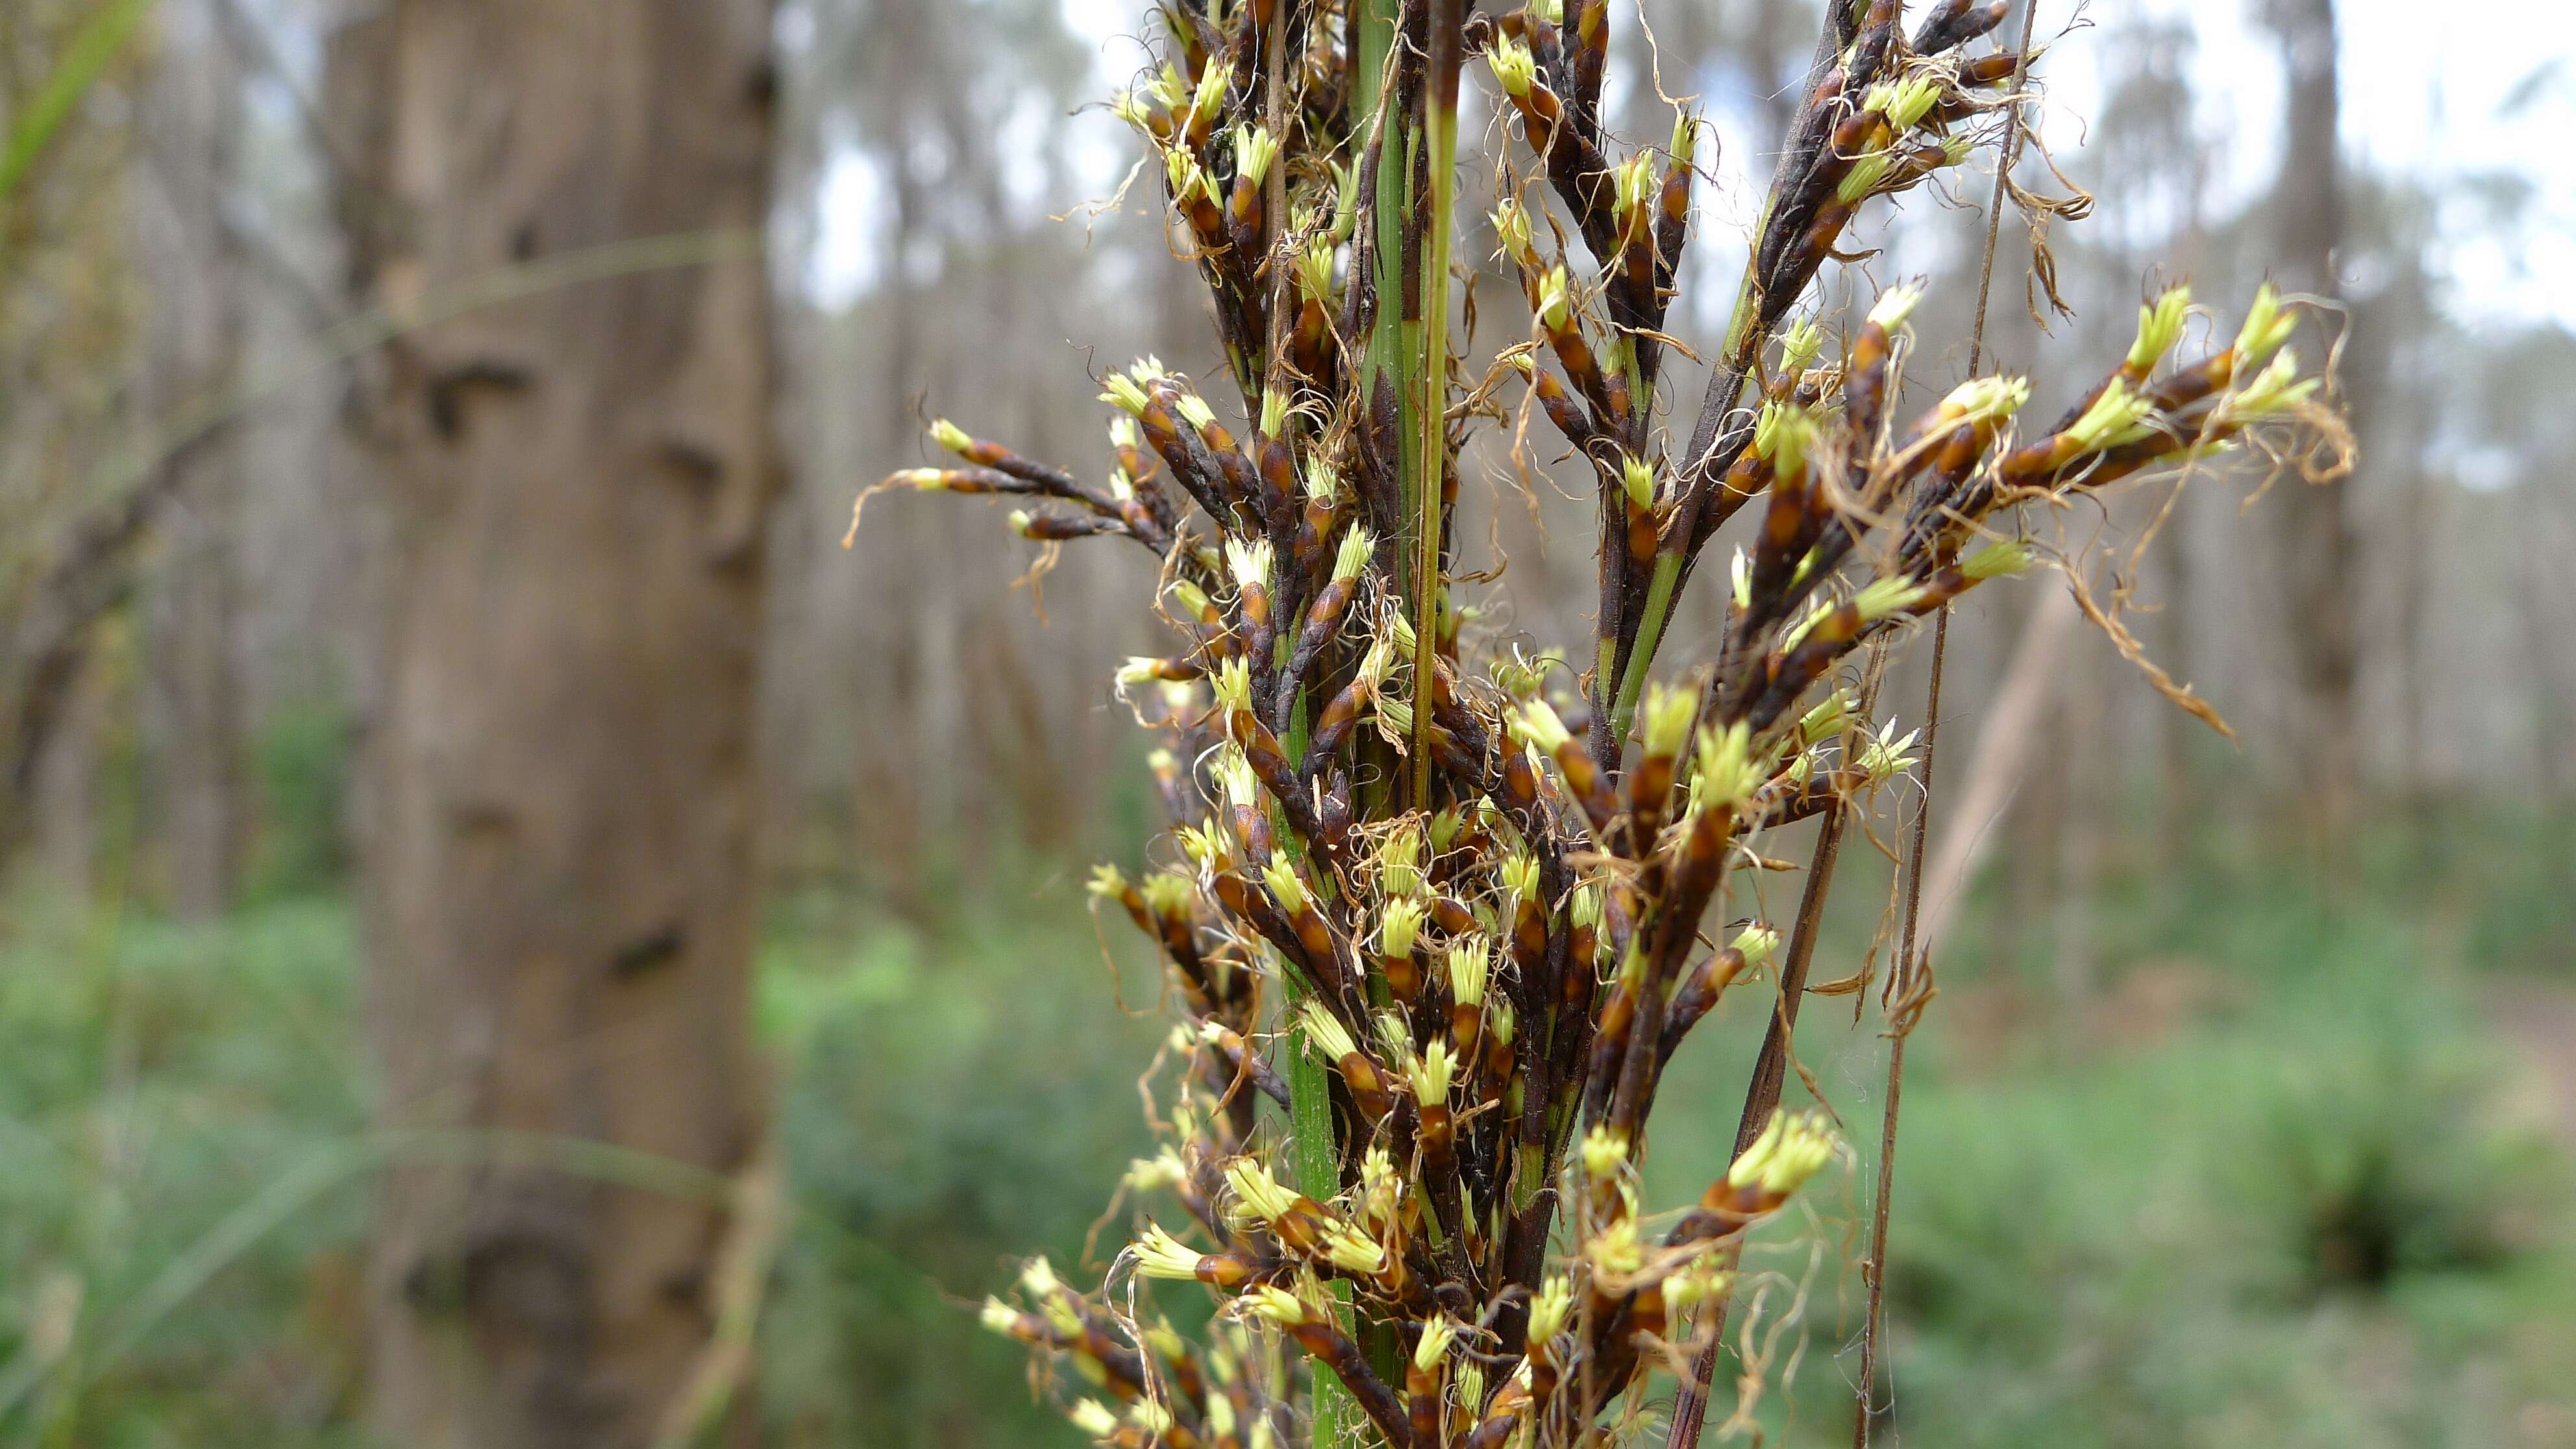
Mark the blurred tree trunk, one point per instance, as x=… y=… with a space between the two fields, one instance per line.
x=66 y=787
x=559 y=836
x=192 y=348
x=2320 y=548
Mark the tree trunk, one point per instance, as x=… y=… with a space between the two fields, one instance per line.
x=560 y=830
x=193 y=350
x=2320 y=547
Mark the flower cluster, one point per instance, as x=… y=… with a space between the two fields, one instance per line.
x=1434 y=909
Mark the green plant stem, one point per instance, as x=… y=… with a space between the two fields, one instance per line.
x=1311 y=1160
x=82 y=63
x=1440 y=140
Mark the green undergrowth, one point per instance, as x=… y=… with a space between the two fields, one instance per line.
x=2276 y=1173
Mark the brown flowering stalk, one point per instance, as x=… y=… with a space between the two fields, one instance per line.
x=1435 y=919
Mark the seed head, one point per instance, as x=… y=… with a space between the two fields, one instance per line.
x=1357 y=544
x=1637 y=183
x=1323 y=484
x=1536 y=723
x=1548 y=1309
x=1800 y=341
x=2266 y=328
x=1399 y=927
x=1782 y=435
x=1233 y=684
x=1471 y=963
x=1880 y=598
x=1604 y=1151
x=1894 y=306
x=1254 y=150
x=1520 y=875
x=1437 y=1335
x=1904 y=102
x=1739 y=577
x=999 y=1316
x=1258 y=1191
x=1210 y=93
x=1194 y=410
x=1512 y=229
x=1615 y=1251
x=1520 y=675
x=1399 y=863
x=1275 y=1304
x=1863 y=177
x=1637 y=476
x=1471 y=1386
x=1756 y=943
x=1160 y=1255
x=1162 y=1170
x=1996 y=560
x=1315 y=269
x=1248 y=561
x=1121 y=391
x=2160 y=325
x=950 y=436
x=1669 y=712
x=1353 y=1251
x=1236 y=780
x=1329 y=1035
x=1790 y=1150
x=1700 y=1282
x=1283 y=881
x=925 y=480
x=1379 y=1186
x=1346 y=200
x=2116 y=417
x=1513 y=65
x=1986 y=399
x=1727 y=775
x=1432 y=1073
x=2272 y=391
x=1182 y=170
x=1554 y=304
x=1826 y=719
x=1093 y=1418
x=1200 y=843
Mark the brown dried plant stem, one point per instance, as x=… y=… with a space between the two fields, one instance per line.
x=1911 y=968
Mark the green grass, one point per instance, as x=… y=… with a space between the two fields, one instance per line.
x=2296 y=1199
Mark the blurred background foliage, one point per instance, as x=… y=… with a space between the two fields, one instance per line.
x=2214 y=1136
x=2293 y=1168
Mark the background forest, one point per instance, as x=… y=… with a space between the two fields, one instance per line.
x=512 y=936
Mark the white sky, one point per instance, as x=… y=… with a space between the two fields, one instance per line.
x=2487 y=87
